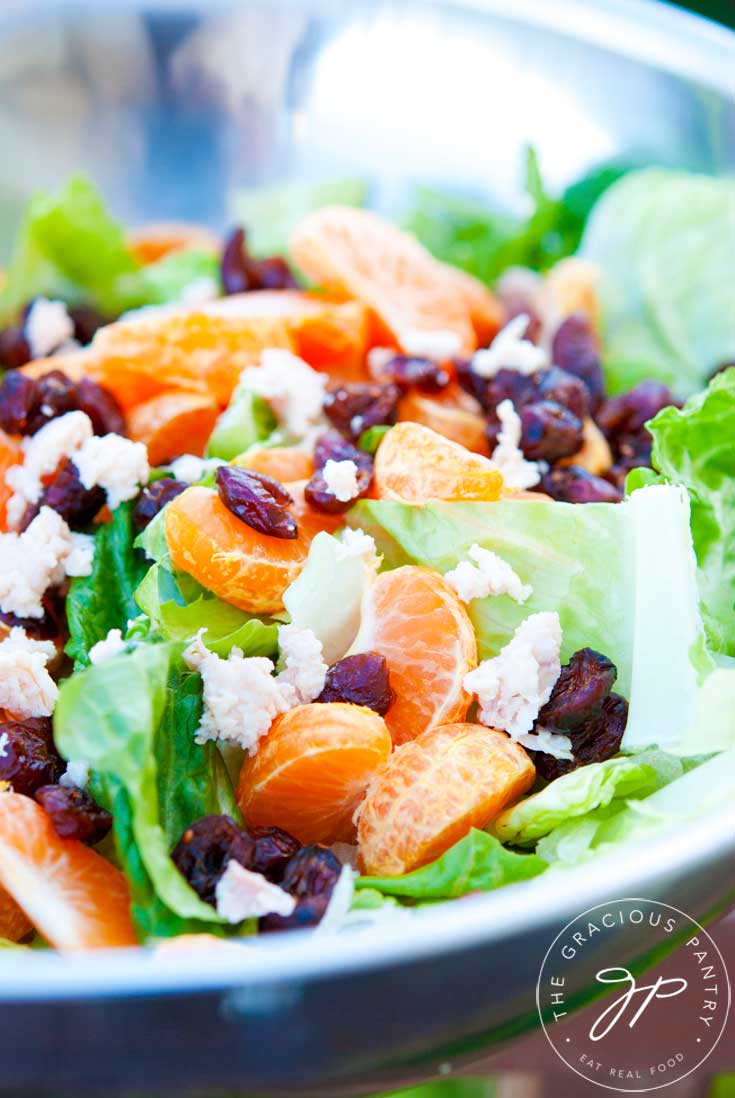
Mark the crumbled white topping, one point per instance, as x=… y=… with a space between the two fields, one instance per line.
x=110 y=646
x=242 y=894
x=489 y=575
x=341 y=479
x=294 y=391
x=304 y=668
x=57 y=440
x=76 y=774
x=439 y=344
x=340 y=901
x=510 y=351
x=377 y=360
x=356 y=543
x=81 y=556
x=190 y=469
x=26 y=688
x=4 y=740
x=552 y=743
x=32 y=561
x=242 y=697
x=116 y=464
x=47 y=326
x=199 y=292
x=507 y=456
x=512 y=687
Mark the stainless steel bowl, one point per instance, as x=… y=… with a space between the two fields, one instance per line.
x=172 y=107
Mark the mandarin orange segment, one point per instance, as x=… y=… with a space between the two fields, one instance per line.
x=331 y=336
x=449 y=415
x=312 y=769
x=152 y=242
x=75 y=364
x=10 y=454
x=144 y=356
x=73 y=896
x=284 y=463
x=14 y=924
x=415 y=464
x=486 y=312
x=433 y=791
x=356 y=254
x=173 y=424
x=415 y=619
x=249 y=569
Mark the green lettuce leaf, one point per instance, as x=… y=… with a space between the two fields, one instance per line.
x=695 y=446
x=476 y=863
x=269 y=214
x=105 y=600
x=166 y=280
x=248 y=419
x=584 y=790
x=664 y=241
x=607 y=569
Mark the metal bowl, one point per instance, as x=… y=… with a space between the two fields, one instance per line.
x=172 y=108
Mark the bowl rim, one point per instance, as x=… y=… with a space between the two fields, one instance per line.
x=479 y=921
x=693 y=48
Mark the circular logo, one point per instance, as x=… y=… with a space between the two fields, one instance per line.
x=646 y=1028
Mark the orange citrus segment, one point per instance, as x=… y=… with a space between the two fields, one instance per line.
x=449 y=415
x=284 y=463
x=415 y=464
x=142 y=357
x=331 y=336
x=486 y=312
x=149 y=243
x=75 y=364
x=13 y=923
x=356 y=254
x=415 y=619
x=312 y=769
x=173 y=424
x=10 y=454
x=71 y=894
x=249 y=569
x=433 y=791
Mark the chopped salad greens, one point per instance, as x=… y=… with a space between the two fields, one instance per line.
x=348 y=568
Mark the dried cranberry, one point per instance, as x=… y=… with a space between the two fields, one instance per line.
x=575 y=349
x=549 y=431
x=101 y=407
x=599 y=738
x=257 y=500
x=47 y=627
x=241 y=272
x=333 y=446
x=580 y=690
x=87 y=321
x=56 y=394
x=66 y=495
x=272 y=851
x=310 y=876
x=203 y=851
x=320 y=496
x=29 y=758
x=573 y=484
x=406 y=371
x=15 y=349
x=17 y=399
x=361 y=679
x=153 y=498
x=556 y=384
x=74 y=814
x=627 y=414
x=354 y=407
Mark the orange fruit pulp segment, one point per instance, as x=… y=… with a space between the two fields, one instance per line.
x=415 y=464
x=10 y=454
x=433 y=791
x=72 y=895
x=284 y=463
x=173 y=423
x=152 y=242
x=14 y=924
x=414 y=618
x=451 y=412
x=241 y=565
x=312 y=769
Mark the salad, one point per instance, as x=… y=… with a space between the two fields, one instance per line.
x=351 y=564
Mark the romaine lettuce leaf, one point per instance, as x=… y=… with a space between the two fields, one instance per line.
x=105 y=600
x=583 y=791
x=664 y=241
x=476 y=863
x=607 y=569
x=248 y=419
